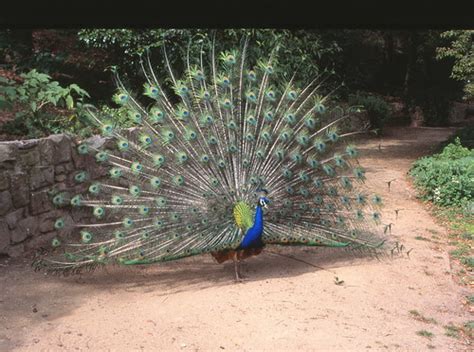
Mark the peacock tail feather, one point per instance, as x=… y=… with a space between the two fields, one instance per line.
x=185 y=180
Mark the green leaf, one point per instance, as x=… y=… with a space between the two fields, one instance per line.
x=69 y=102
x=79 y=90
x=5 y=80
x=21 y=91
x=33 y=106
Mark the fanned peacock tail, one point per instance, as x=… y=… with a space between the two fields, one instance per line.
x=186 y=180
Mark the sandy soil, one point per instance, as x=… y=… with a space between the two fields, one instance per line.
x=195 y=305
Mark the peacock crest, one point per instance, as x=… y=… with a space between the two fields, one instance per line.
x=186 y=180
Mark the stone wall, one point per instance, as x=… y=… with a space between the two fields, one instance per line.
x=29 y=170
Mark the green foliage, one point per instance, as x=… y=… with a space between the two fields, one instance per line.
x=389 y=62
x=119 y=116
x=460 y=49
x=418 y=316
x=447 y=178
x=461 y=226
x=425 y=333
x=41 y=105
x=377 y=109
x=297 y=50
x=452 y=331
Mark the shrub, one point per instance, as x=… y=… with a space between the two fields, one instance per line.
x=377 y=109
x=42 y=106
x=447 y=178
x=459 y=49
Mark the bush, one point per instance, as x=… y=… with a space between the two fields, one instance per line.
x=459 y=49
x=447 y=179
x=377 y=109
x=41 y=106
x=465 y=135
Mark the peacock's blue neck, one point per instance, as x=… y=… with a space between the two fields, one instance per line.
x=253 y=236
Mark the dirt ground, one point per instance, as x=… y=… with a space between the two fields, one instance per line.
x=195 y=305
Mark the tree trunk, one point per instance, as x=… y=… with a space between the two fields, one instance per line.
x=415 y=112
x=389 y=46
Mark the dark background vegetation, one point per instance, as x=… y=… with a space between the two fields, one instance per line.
x=422 y=68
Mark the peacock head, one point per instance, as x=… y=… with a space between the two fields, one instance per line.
x=263 y=201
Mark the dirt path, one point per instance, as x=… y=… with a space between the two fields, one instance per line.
x=194 y=305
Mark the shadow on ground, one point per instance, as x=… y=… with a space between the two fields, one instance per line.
x=31 y=298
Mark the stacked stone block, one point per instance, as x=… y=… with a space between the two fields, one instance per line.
x=29 y=171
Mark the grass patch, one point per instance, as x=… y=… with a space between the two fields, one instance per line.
x=421 y=238
x=418 y=316
x=461 y=228
x=462 y=249
x=467 y=261
x=434 y=232
x=468 y=329
x=425 y=333
x=452 y=331
x=468 y=235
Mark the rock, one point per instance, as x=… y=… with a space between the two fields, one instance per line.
x=60 y=178
x=7 y=152
x=59 y=169
x=63 y=168
x=43 y=240
x=60 y=186
x=79 y=160
x=46 y=149
x=42 y=177
x=96 y=142
x=4 y=180
x=62 y=148
x=26 y=227
x=21 y=196
x=16 y=251
x=14 y=217
x=46 y=221
x=4 y=237
x=40 y=203
x=88 y=160
x=30 y=158
x=5 y=202
x=27 y=144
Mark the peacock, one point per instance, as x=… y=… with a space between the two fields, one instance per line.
x=227 y=158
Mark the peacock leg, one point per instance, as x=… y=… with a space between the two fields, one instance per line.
x=239 y=265
x=236 y=267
